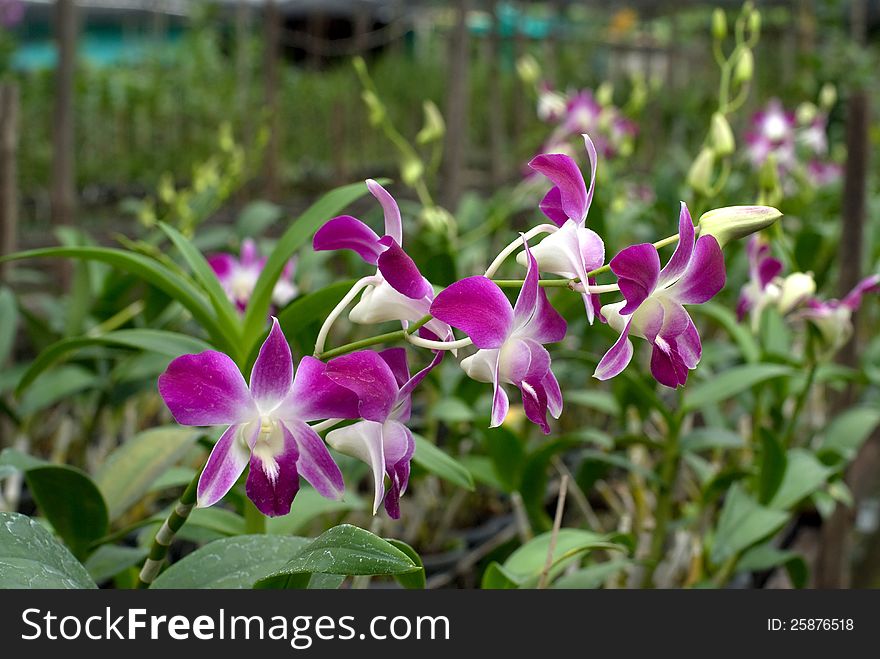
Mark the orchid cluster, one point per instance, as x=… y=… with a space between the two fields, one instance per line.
x=796 y=141
x=273 y=423
x=794 y=297
x=238 y=276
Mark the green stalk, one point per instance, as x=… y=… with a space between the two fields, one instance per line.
x=799 y=404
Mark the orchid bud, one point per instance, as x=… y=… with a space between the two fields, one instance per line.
x=411 y=170
x=719 y=24
x=796 y=289
x=437 y=218
x=735 y=222
x=528 y=69
x=745 y=67
x=605 y=94
x=700 y=174
x=828 y=96
x=755 y=23
x=434 y=127
x=806 y=112
x=374 y=106
x=721 y=136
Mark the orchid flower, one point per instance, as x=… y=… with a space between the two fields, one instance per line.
x=397 y=291
x=761 y=289
x=383 y=385
x=833 y=318
x=571 y=250
x=509 y=340
x=653 y=306
x=266 y=422
x=238 y=276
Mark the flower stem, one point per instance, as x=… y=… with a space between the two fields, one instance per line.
x=388 y=337
x=799 y=404
x=176 y=519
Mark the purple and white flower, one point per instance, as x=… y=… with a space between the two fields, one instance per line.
x=653 y=306
x=571 y=250
x=761 y=290
x=238 y=276
x=397 y=291
x=509 y=341
x=383 y=386
x=833 y=318
x=267 y=422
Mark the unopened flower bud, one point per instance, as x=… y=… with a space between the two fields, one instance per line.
x=745 y=67
x=828 y=96
x=755 y=23
x=411 y=170
x=605 y=94
x=374 y=107
x=806 y=112
x=700 y=174
x=437 y=218
x=796 y=289
x=721 y=136
x=719 y=24
x=528 y=69
x=434 y=127
x=735 y=222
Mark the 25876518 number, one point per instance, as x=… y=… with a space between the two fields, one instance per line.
x=811 y=624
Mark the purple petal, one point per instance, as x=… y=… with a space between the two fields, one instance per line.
x=500 y=403
x=768 y=269
x=399 y=478
x=205 y=390
x=347 y=232
x=250 y=255
x=616 y=359
x=853 y=299
x=527 y=300
x=273 y=481
x=227 y=461
x=667 y=366
x=554 y=394
x=637 y=269
x=398 y=446
x=689 y=346
x=222 y=265
x=566 y=175
x=478 y=308
x=370 y=378
x=315 y=396
x=743 y=306
x=393 y=224
x=315 y=462
x=551 y=206
x=534 y=399
x=521 y=359
x=401 y=272
x=683 y=251
x=273 y=370
x=705 y=274
x=363 y=440
x=594 y=161
x=416 y=379
x=396 y=360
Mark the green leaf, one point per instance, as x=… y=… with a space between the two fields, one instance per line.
x=231 y=562
x=593 y=576
x=766 y=556
x=71 y=502
x=171 y=344
x=773 y=466
x=731 y=382
x=52 y=387
x=703 y=439
x=153 y=272
x=438 y=462
x=803 y=476
x=748 y=346
x=130 y=470
x=20 y=461
x=109 y=560
x=205 y=275
x=8 y=323
x=31 y=558
x=742 y=523
x=595 y=399
x=295 y=237
x=345 y=550
x=498 y=577
x=847 y=432
x=312 y=307
x=256 y=217
x=410 y=580
x=310 y=505
x=451 y=410
x=508 y=456
x=217 y=519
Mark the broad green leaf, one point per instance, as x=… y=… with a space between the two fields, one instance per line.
x=171 y=344
x=345 y=550
x=766 y=556
x=451 y=410
x=312 y=307
x=438 y=462
x=498 y=577
x=595 y=399
x=508 y=456
x=256 y=217
x=847 y=432
x=53 y=387
x=528 y=562
x=31 y=558
x=410 y=580
x=231 y=562
x=226 y=313
x=748 y=346
x=731 y=382
x=20 y=461
x=71 y=502
x=151 y=271
x=773 y=466
x=743 y=522
x=109 y=560
x=217 y=519
x=803 y=476
x=309 y=505
x=295 y=237
x=130 y=470
x=8 y=323
x=593 y=576
x=703 y=439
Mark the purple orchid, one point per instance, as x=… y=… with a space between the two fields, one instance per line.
x=238 y=276
x=653 y=306
x=572 y=250
x=833 y=318
x=509 y=341
x=382 y=383
x=397 y=291
x=773 y=131
x=761 y=289
x=266 y=422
